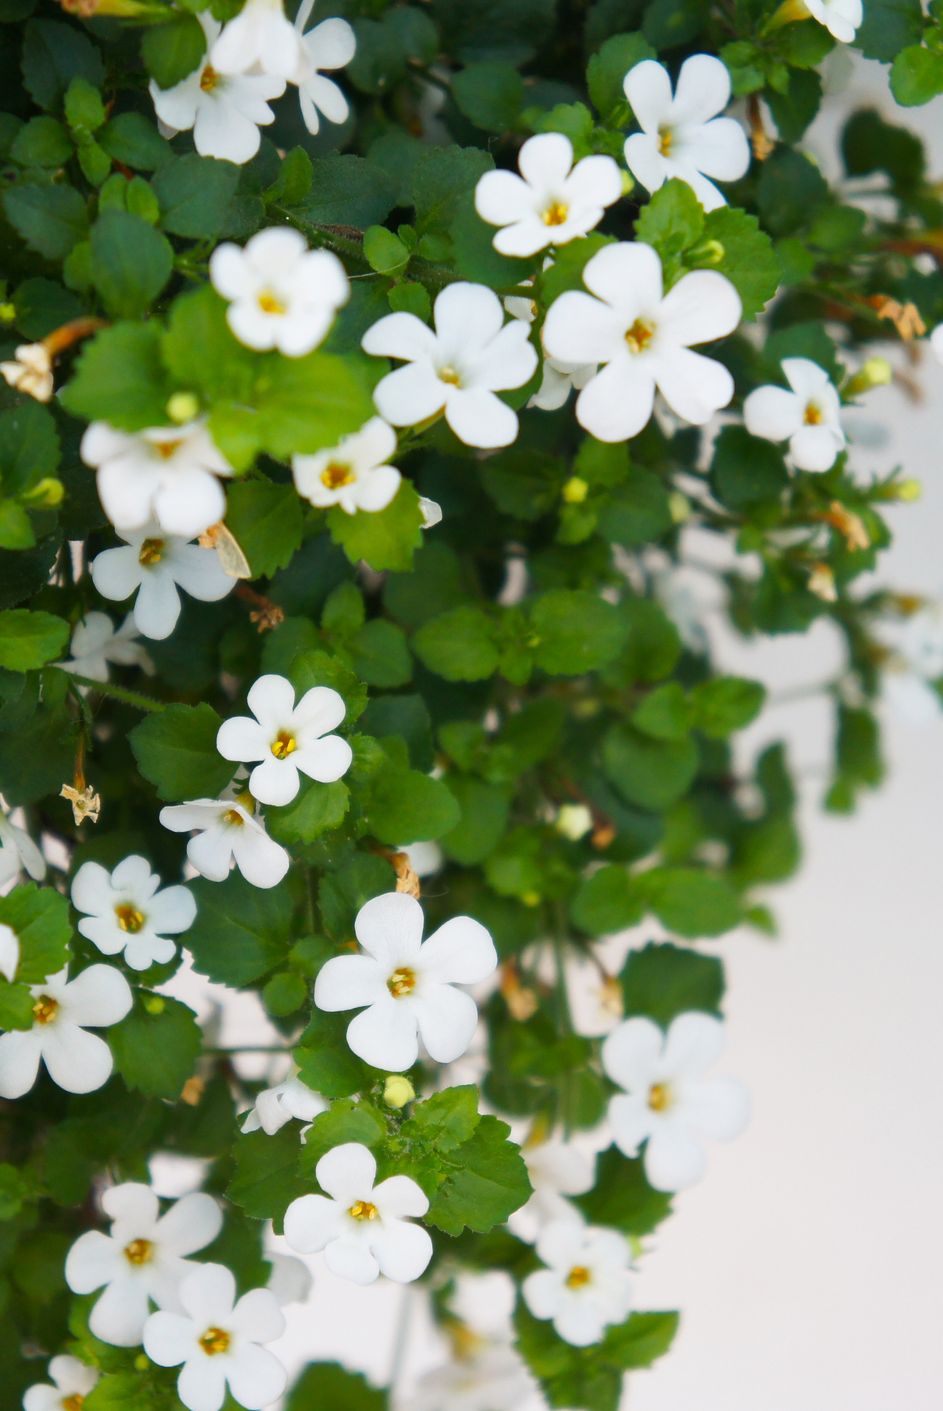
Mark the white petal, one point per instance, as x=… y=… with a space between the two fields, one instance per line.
x=617 y=403
x=208 y=1292
x=581 y=329
x=377 y=488
x=644 y=160
x=19 y=1062
x=240 y=738
x=93 y=1260
x=91 y=889
x=509 y=360
x=190 y=503
x=385 y=1035
x=410 y=395
x=447 y=1019
x=200 y=573
x=702 y=306
x=157 y=606
x=349 y=982
x=400 y=335
x=116 y=572
x=526 y=236
x=703 y=89
x=467 y=316
x=172 y=910
x=190 y=1224
x=261 y=860
x=502 y=198
x=460 y=952
x=815 y=448
x=479 y=418
x=631 y=1054
x=256 y=1377
x=168 y=1338
x=120 y=1313
x=310 y=1222
x=674 y=1158
x=99 y=996
x=210 y=852
x=201 y=1385
x=352 y=1259
x=77 y=1061
x=632 y=1121
x=772 y=413
x=399 y=1196
x=694 y=387
x=722 y=150
x=541 y=1292
x=402 y=1250
x=627 y=276
x=545 y=160
x=580 y=1322
x=230 y=272
x=389 y=927
x=258 y=1316
x=694 y=1042
x=347 y=1172
x=275 y=781
x=325 y=760
x=648 y=90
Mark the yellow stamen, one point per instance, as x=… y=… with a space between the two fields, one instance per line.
x=270 y=303
x=215 y=1340
x=363 y=1210
x=151 y=552
x=166 y=449
x=283 y=745
x=814 y=415
x=640 y=335
x=659 y=1097
x=556 y=213
x=665 y=141
x=449 y=375
x=139 y=1252
x=75 y=1402
x=209 y=78
x=578 y=1277
x=45 y=1009
x=129 y=918
x=401 y=982
x=336 y=475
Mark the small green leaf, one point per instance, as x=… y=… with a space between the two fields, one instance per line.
x=156 y=1049
x=194 y=193
x=51 y=219
x=172 y=50
x=383 y=250
x=384 y=539
x=408 y=807
x=324 y=1386
x=485 y=1181
x=267 y=521
x=40 y=918
x=672 y=221
x=608 y=901
x=119 y=378
x=458 y=645
x=647 y=772
x=131 y=262
x=576 y=632
x=663 y=981
x=725 y=704
x=689 y=902
x=30 y=639
x=176 y=750
x=267 y=1177
x=240 y=931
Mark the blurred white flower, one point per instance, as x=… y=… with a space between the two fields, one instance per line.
x=586 y=1285
x=168 y=474
x=330 y=45
x=558 y=378
x=73 y=1382
x=97 y=645
x=290 y=1280
x=259 y=39
x=842 y=18
x=18 y=852
x=552 y=201
x=354 y=474
x=915 y=664
x=275 y=1106
x=808 y=415
x=557 y=1169
x=281 y=294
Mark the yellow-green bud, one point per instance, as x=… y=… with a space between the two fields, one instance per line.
x=574 y=821
x=397 y=1091
x=154 y=1004
x=908 y=490
x=48 y=493
x=142 y=1363
x=575 y=490
x=679 y=507
x=531 y=898
x=7 y=313
x=182 y=407
x=875 y=372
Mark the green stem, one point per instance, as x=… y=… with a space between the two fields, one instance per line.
x=119 y=693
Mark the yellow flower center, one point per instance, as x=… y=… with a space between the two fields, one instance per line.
x=166 y=449
x=556 y=213
x=449 y=375
x=659 y=1097
x=363 y=1210
x=151 y=552
x=578 y=1277
x=139 y=1252
x=75 y=1402
x=129 y=918
x=813 y=415
x=640 y=335
x=45 y=1009
x=665 y=141
x=401 y=982
x=337 y=474
x=270 y=303
x=233 y=815
x=209 y=78
x=283 y=745
x=215 y=1340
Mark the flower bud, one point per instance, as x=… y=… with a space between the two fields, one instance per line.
x=574 y=821
x=47 y=494
x=183 y=407
x=907 y=490
x=154 y=1004
x=575 y=490
x=679 y=507
x=875 y=372
x=397 y=1091
x=7 y=312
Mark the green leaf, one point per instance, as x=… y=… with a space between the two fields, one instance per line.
x=30 y=639
x=343 y=892
x=485 y=809
x=171 y=51
x=790 y=189
x=725 y=704
x=118 y=1391
x=445 y=1120
x=268 y=522
x=194 y=193
x=384 y=539
x=119 y=378
x=267 y=1177
x=442 y=176
x=383 y=250
x=84 y=109
x=240 y=931
x=40 y=918
x=888 y=26
x=348 y=190
x=650 y=773
x=689 y=902
x=637 y=511
x=672 y=221
x=381 y=655
x=608 y=901
x=490 y=95
x=458 y=645
x=324 y=1386
x=51 y=219
x=664 y=714
x=317 y=809
x=176 y=750
x=132 y=140
x=621 y=1197
x=608 y=67
x=575 y=632
x=326 y=1063
x=663 y=981
x=408 y=807
x=485 y=1182
x=749 y=260
x=916 y=76
x=42 y=142
x=53 y=55
x=131 y=262
x=745 y=470
x=29 y=447
x=16 y=1006
x=157 y=1046
x=591 y=1377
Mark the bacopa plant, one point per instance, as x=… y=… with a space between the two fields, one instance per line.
x=366 y=373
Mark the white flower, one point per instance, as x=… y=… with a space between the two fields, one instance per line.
x=362 y=1227
x=275 y=1106
x=224 y=110
x=124 y=911
x=73 y=1382
x=286 y=738
x=643 y=339
x=559 y=378
x=229 y=830
x=936 y=341
x=259 y=38
x=154 y=564
x=681 y=134
x=9 y=952
x=456 y=368
x=290 y=1280
x=556 y=1169
x=668 y=1103
x=142 y=1258
x=217 y=1339
x=914 y=664
x=485 y=1377
x=63 y=1011
x=18 y=852
x=30 y=372
x=353 y=474
x=330 y=45
x=97 y=645
x=281 y=294
x=407 y=984
x=840 y=17
x=586 y=1285
x=167 y=474
x=552 y=201
x=808 y=416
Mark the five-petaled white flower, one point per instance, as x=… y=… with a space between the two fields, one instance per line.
x=668 y=1103
x=586 y=1285
x=330 y=45
x=218 y=1340
x=124 y=911
x=354 y=474
x=141 y=1260
x=154 y=565
x=552 y=201
x=229 y=830
x=18 y=852
x=682 y=136
x=455 y=368
x=73 y=1382
x=97 y=645
x=63 y=1012
x=558 y=378
x=167 y=474
x=484 y=1376
x=281 y=294
x=643 y=339
x=808 y=415
x=225 y=111
x=259 y=39
x=364 y=1229
x=286 y=738
x=841 y=18
x=273 y=1107
x=406 y=986
x=557 y=1169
